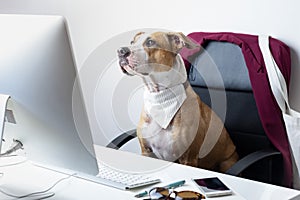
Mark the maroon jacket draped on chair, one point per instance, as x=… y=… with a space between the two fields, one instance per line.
x=268 y=109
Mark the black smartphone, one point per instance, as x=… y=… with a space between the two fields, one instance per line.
x=212 y=187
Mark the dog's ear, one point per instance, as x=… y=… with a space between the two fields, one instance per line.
x=179 y=40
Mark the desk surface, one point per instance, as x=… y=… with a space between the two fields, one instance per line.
x=25 y=178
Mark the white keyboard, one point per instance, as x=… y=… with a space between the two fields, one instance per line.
x=123 y=180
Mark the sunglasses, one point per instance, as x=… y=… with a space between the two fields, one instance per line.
x=160 y=193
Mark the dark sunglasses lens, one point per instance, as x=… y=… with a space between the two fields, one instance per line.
x=159 y=193
x=189 y=195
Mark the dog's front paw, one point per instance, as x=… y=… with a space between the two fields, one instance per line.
x=193 y=162
x=147 y=151
x=149 y=154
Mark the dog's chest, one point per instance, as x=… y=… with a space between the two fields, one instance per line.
x=160 y=141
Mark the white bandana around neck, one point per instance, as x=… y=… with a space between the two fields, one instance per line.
x=164 y=104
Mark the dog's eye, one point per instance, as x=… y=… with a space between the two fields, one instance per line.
x=150 y=43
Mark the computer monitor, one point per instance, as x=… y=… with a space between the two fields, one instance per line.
x=37 y=70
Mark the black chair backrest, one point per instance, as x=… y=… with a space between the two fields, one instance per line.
x=220 y=77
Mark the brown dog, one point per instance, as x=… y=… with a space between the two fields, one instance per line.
x=175 y=125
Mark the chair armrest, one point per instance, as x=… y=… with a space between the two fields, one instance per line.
x=122 y=139
x=250 y=159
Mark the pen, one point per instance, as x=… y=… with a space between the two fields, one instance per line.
x=172 y=185
x=175 y=185
x=142 y=194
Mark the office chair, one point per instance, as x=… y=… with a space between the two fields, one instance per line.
x=259 y=159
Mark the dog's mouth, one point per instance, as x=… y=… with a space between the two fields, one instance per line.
x=123 y=61
x=128 y=64
x=131 y=63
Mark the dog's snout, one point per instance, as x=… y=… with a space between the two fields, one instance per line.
x=124 y=52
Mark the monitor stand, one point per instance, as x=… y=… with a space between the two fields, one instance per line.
x=6 y=160
x=3 y=103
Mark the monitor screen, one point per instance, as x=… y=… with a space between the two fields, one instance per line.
x=37 y=70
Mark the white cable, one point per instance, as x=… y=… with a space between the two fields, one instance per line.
x=43 y=194
x=14 y=163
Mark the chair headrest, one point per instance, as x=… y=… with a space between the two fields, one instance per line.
x=220 y=65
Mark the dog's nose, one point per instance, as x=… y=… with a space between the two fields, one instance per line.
x=124 y=52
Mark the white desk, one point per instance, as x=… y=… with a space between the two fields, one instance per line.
x=27 y=178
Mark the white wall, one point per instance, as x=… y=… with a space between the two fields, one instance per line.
x=95 y=25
